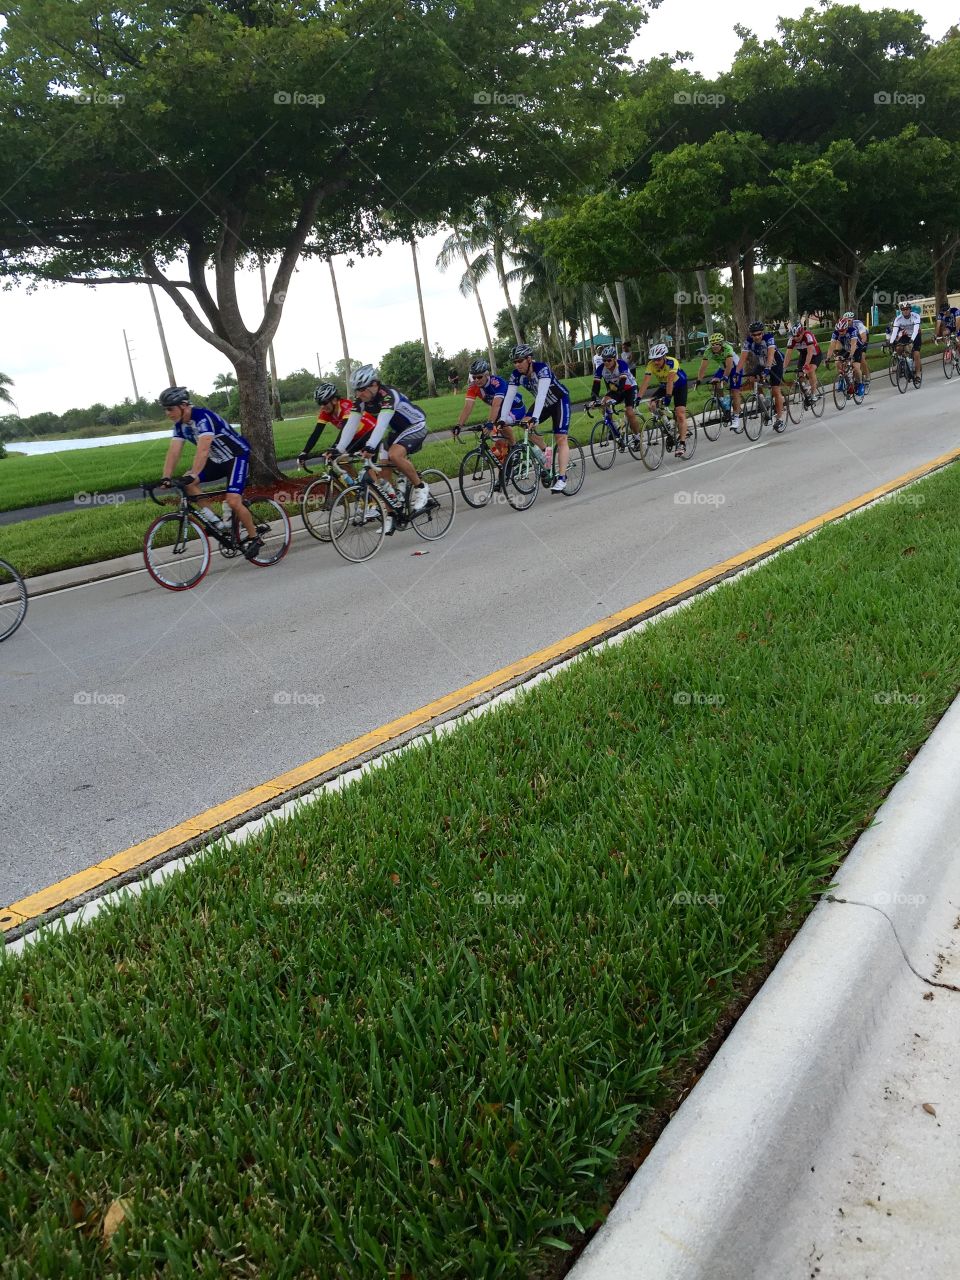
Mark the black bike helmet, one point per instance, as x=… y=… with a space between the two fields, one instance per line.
x=325 y=392
x=756 y=326
x=521 y=352
x=478 y=368
x=173 y=396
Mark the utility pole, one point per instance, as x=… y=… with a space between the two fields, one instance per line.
x=319 y=370
x=171 y=380
x=275 y=390
x=133 y=376
x=343 y=332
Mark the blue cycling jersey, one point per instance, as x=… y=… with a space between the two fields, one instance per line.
x=543 y=382
x=497 y=386
x=760 y=346
x=949 y=317
x=619 y=375
x=227 y=443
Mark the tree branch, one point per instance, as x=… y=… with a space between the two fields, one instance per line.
x=193 y=320
x=179 y=284
x=196 y=260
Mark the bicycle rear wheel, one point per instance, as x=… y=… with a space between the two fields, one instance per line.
x=478 y=477
x=273 y=526
x=13 y=600
x=176 y=551
x=752 y=421
x=603 y=445
x=437 y=516
x=358 y=523
x=576 y=468
x=712 y=419
x=651 y=452
x=521 y=477
x=315 y=508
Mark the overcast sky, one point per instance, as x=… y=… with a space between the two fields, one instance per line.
x=64 y=346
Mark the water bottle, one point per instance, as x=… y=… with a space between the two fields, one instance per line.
x=401 y=490
x=725 y=402
x=549 y=456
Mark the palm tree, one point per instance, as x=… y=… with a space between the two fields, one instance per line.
x=224 y=382
x=5 y=396
x=427 y=358
x=452 y=246
x=492 y=234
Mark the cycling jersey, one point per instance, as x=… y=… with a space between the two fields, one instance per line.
x=725 y=353
x=227 y=443
x=949 y=318
x=856 y=331
x=671 y=365
x=758 y=347
x=903 y=327
x=497 y=386
x=804 y=341
x=544 y=382
x=619 y=376
x=393 y=411
x=336 y=413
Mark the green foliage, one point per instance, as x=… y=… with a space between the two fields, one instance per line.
x=403 y=367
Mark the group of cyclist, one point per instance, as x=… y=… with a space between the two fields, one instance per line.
x=378 y=422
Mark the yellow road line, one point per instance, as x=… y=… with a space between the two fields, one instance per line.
x=64 y=891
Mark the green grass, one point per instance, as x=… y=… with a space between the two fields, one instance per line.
x=411 y=1030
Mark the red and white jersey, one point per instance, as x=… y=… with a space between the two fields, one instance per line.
x=804 y=340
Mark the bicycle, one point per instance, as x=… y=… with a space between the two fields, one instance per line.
x=358 y=515
x=949 y=355
x=845 y=383
x=318 y=497
x=662 y=433
x=716 y=412
x=481 y=470
x=13 y=600
x=526 y=469
x=757 y=409
x=176 y=547
x=801 y=399
x=611 y=435
x=901 y=370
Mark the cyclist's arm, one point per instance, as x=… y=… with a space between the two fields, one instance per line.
x=787 y=358
x=350 y=429
x=702 y=369
x=315 y=435
x=643 y=386
x=203 y=452
x=378 y=432
x=507 y=400
x=496 y=405
x=467 y=409
x=595 y=389
x=728 y=367
x=543 y=387
x=173 y=457
x=666 y=391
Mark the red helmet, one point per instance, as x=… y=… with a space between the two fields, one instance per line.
x=843 y=326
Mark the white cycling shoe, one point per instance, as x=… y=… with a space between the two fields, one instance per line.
x=420 y=497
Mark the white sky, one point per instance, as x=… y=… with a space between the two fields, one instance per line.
x=63 y=346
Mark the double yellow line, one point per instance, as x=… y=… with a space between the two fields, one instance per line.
x=135 y=861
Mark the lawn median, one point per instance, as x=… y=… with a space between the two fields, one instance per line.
x=416 y=1028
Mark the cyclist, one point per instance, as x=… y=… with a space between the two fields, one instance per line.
x=671 y=382
x=718 y=348
x=621 y=385
x=765 y=359
x=850 y=340
x=334 y=410
x=221 y=454
x=552 y=401
x=905 y=327
x=808 y=351
x=492 y=390
x=948 y=319
x=405 y=422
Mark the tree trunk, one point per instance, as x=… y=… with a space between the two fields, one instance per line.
x=255 y=423
x=476 y=293
x=427 y=357
x=943 y=252
x=624 y=317
x=614 y=314
x=343 y=332
x=171 y=379
x=705 y=298
x=274 y=381
x=792 y=305
x=739 y=309
x=848 y=287
x=749 y=289
x=502 y=277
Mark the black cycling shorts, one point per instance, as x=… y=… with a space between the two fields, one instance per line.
x=628 y=396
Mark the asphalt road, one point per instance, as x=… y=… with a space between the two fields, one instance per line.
x=126 y=709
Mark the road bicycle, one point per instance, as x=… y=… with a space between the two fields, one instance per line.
x=611 y=434
x=481 y=470
x=949 y=355
x=364 y=514
x=662 y=433
x=845 y=384
x=901 y=370
x=526 y=469
x=319 y=496
x=176 y=547
x=757 y=409
x=13 y=600
x=800 y=399
x=716 y=413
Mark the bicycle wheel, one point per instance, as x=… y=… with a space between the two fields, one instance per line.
x=634 y=440
x=904 y=375
x=603 y=445
x=818 y=402
x=795 y=403
x=750 y=416
x=576 y=468
x=691 y=440
x=13 y=600
x=478 y=477
x=840 y=391
x=273 y=526
x=358 y=523
x=948 y=362
x=892 y=369
x=711 y=420
x=315 y=507
x=437 y=516
x=176 y=551
x=521 y=477
x=858 y=395
x=651 y=453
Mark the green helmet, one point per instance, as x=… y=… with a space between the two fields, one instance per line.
x=717 y=339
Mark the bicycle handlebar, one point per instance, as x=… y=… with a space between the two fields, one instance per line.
x=148 y=487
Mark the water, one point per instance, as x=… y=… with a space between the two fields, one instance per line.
x=34 y=447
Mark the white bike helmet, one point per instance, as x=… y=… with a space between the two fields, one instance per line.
x=659 y=351
x=364 y=377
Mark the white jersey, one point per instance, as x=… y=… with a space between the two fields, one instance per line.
x=904 y=326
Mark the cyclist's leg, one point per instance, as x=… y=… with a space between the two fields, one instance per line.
x=560 y=413
x=235 y=473
x=916 y=354
x=810 y=369
x=776 y=379
x=680 y=410
x=403 y=440
x=736 y=382
x=628 y=398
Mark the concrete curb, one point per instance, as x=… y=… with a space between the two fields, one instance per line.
x=708 y=1200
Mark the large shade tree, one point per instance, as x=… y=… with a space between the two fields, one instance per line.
x=175 y=143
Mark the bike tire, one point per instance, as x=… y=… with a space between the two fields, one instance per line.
x=819 y=402
x=858 y=396
x=576 y=467
x=691 y=440
x=603 y=445
x=315 y=504
x=651 y=454
x=478 y=478
x=13 y=600
x=521 y=477
x=840 y=391
x=273 y=526
x=176 y=551
x=356 y=533
x=892 y=368
x=795 y=404
x=904 y=376
x=949 y=363
x=711 y=422
x=750 y=416
x=438 y=515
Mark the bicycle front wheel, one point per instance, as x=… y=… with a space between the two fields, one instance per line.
x=712 y=419
x=818 y=402
x=603 y=445
x=948 y=362
x=273 y=526
x=521 y=477
x=690 y=442
x=752 y=421
x=358 y=523
x=176 y=551
x=478 y=477
x=576 y=468
x=892 y=369
x=904 y=376
x=652 y=445
x=795 y=403
x=13 y=600
x=437 y=516
x=840 y=392
x=315 y=508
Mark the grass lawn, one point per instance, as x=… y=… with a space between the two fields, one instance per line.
x=413 y=1030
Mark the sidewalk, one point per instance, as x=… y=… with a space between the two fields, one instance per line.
x=823 y=1141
